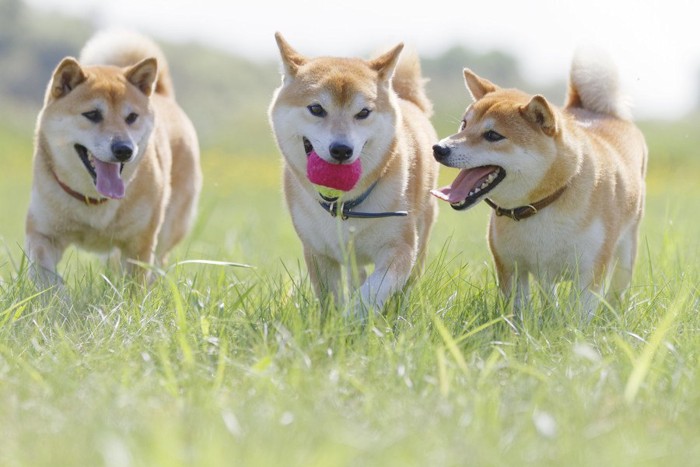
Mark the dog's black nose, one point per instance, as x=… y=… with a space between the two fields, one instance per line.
x=122 y=151
x=340 y=152
x=440 y=152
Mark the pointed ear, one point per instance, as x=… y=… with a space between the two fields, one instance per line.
x=539 y=112
x=143 y=75
x=385 y=64
x=291 y=59
x=478 y=87
x=66 y=77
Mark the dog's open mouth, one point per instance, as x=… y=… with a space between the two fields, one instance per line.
x=87 y=159
x=470 y=186
x=308 y=147
x=105 y=175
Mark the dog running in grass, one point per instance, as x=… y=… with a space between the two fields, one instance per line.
x=116 y=160
x=356 y=140
x=566 y=185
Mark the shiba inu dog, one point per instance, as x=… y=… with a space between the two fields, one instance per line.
x=116 y=160
x=372 y=118
x=566 y=185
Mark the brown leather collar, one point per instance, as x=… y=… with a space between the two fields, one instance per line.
x=79 y=196
x=523 y=212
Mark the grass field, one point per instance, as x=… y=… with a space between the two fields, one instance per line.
x=230 y=366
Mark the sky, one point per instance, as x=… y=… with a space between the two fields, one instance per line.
x=655 y=43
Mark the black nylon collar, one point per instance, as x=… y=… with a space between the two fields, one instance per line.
x=345 y=209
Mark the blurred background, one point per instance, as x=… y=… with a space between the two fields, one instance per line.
x=225 y=67
x=225 y=62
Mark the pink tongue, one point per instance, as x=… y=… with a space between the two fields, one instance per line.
x=465 y=182
x=109 y=180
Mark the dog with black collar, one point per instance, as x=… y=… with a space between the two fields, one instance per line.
x=356 y=140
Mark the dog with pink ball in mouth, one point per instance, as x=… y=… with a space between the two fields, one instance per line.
x=332 y=179
x=356 y=139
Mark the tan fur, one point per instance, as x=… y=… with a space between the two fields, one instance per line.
x=588 y=234
x=394 y=144
x=162 y=180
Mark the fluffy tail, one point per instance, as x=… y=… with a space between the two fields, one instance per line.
x=408 y=82
x=125 y=48
x=594 y=85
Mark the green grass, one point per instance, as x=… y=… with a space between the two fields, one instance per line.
x=217 y=365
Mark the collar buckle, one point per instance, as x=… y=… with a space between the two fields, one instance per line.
x=344 y=210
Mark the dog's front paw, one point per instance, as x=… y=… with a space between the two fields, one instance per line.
x=44 y=278
x=362 y=305
x=52 y=290
x=360 y=308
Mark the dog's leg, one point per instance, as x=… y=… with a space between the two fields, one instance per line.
x=513 y=284
x=513 y=280
x=522 y=292
x=325 y=275
x=590 y=299
x=356 y=276
x=44 y=253
x=626 y=253
x=424 y=230
x=590 y=287
x=142 y=252
x=391 y=272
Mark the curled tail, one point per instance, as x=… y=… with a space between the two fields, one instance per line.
x=409 y=83
x=594 y=85
x=124 y=48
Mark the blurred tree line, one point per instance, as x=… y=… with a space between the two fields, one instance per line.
x=226 y=96
x=31 y=44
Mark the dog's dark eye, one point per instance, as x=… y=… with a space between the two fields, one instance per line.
x=462 y=125
x=491 y=136
x=362 y=114
x=95 y=116
x=316 y=110
x=131 y=118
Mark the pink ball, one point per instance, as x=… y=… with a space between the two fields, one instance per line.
x=341 y=177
